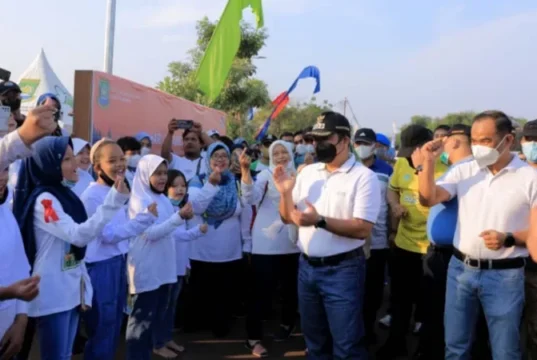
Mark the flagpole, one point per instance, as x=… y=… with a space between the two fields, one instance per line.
x=109 y=36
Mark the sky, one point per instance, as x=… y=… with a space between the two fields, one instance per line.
x=392 y=59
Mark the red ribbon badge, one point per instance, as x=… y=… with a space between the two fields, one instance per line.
x=50 y=213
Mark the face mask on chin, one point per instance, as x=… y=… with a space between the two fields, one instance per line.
x=68 y=183
x=486 y=156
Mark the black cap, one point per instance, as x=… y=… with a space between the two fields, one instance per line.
x=413 y=137
x=365 y=135
x=330 y=122
x=6 y=86
x=530 y=129
x=460 y=129
x=268 y=139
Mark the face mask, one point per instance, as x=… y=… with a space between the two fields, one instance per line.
x=107 y=180
x=444 y=158
x=175 y=202
x=300 y=149
x=326 y=152
x=364 y=151
x=132 y=161
x=310 y=148
x=145 y=151
x=68 y=183
x=486 y=156
x=529 y=149
x=14 y=105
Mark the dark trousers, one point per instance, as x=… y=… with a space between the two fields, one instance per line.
x=374 y=289
x=213 y=295
x=267 y=271
x=431 y=341
x=406 y=287
x=530 y=312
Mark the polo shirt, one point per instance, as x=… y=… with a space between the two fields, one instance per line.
x=500 y=202
x=379 y=234
x=412 y=230
x=442 y=219
x=352 y=191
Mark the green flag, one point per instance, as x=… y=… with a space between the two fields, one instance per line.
x=223 y=46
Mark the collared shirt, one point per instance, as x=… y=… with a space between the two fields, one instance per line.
x=442 y=219
x=500 y=202
x=350 y=192
x=379 y=235
x=411 y=232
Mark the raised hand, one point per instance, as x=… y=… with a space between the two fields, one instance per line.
x=282 y=180
x=39 y=123
x=197 y=127
x=215 y=177
x=172 y=126
x=245 y=160
x=432 y=149
x=120 y=185
x=153 y=209
x=204 y=228
x=186 y=212
x=26 y=289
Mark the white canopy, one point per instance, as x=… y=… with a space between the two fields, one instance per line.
x=39 y=79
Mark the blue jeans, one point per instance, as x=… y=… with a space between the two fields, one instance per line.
x=147 y=307
x=57 y=334
x=104 y=319
x=164 y=323
x=330 y=300
x=501 y=294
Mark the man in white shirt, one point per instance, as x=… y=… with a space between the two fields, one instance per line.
x=495 y=194
x=335 y=204
x=192 y=163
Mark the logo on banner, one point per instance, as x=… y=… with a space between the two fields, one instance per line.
x=28 y=88
x=104 y=93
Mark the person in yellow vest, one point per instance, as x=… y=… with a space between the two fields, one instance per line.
x=410 y=243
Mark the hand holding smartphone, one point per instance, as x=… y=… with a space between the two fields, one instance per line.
x=184 y=124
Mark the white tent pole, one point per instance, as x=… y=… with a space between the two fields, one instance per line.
x=109 y=36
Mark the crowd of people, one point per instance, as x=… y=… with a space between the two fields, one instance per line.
x=107 y=236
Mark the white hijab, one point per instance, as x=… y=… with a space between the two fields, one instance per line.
x=78 y=145
x=272 y=193
x=142 y=196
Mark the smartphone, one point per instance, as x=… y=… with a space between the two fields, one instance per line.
x=184 y=124
x=183 y=202
x=5 y=112
x=4 y=74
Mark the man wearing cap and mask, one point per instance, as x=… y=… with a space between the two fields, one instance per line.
x=409 y=220
x=495 y=194
x=365 y=145
x=335 y=203
x=263 y=162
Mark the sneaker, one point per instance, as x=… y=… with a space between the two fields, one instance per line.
x=386 y=320
x=417 y=328
x=257 y=349
x=283 y=333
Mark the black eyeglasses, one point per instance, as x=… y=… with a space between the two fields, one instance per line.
x=299 y=142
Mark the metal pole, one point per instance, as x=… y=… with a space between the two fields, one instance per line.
x=345 y=107
x=109 y=36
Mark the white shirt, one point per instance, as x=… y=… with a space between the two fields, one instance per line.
x=182 y=236
x=13 y=265
x=500 y=202
x=379 y=234
x=114 y=239
x=60 y=286
x=270 y=236
x=230 y=239
x=189 y=168
x=350 y=192
x=12 y=148
x=84 y=180
x=14 y=168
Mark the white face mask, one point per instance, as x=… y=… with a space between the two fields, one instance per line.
x=145 y=151
x=133 y=160
x=310 y=148
x=486 y=156
x=364 y=151
x=300 y=149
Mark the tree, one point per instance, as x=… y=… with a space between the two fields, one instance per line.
x=242 y=90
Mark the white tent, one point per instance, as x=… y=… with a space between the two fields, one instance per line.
x=38 y=79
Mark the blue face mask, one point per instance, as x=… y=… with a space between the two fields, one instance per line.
x=68 y=183
x=529 y=149
x=175 y=202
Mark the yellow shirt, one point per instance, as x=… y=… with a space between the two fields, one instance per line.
x=412 y=230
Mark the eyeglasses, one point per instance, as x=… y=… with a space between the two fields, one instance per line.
x=299 y=142
x=219 y=157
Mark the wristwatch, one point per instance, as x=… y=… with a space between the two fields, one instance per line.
x=509 y=240
x=418 y=169
x=321 y=223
